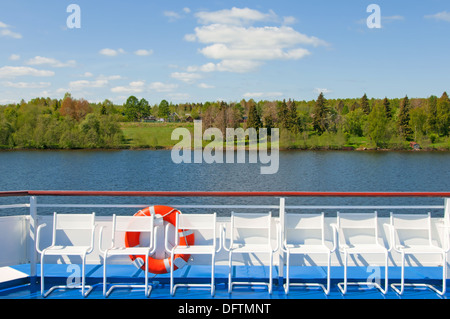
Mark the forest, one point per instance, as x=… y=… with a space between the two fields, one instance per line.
x=330 y=124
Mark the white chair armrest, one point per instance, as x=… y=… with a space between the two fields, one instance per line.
x=38 y=237
x=335 y=237
x=221 y=235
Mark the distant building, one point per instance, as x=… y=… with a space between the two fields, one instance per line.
x=149 y=119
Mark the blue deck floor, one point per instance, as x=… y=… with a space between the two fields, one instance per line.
x=58 y=274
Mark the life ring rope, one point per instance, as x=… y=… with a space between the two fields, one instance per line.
x=161 y=266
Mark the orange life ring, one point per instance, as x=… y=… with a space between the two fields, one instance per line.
x=161 y=266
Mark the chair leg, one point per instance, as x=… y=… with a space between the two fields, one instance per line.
x=327 y=291
x=230 y=262
x=386 y=268
x=213 y=289
x=42 y=274
x=286 y=288
x=270 y=273
x=171 y=274
x=104 y=273
x=83 y=277
x=344 y=290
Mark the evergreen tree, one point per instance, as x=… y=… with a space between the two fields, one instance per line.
x=253 y=120
x=365 y=104
x=283 y=114
x=320 y=114
x=404 y=119
x=293 y=118
x=387 y=108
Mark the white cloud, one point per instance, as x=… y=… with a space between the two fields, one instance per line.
x=162 y=87
x=39 y=60
x=289 y=20
x=133 y=87
x=172 y=15
x=6 y=32
x=109 y=77
x=111 y=52
x=186 y=10
x=143 y=52
x=14 y=57
x=234 y=16
x=442 y=16
x=229 y=37
x=27 y=85
x=206 y=86
x=185 y=76
x=88 y=74
x=14 y=71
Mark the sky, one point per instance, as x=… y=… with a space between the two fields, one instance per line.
x=198 y=51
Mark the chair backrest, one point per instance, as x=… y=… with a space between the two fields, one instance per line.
x=357 y=228
x=132 y=224
x=304 y=229
x=204 y=222
x=412 y=229
x=73 y=222
x=252 y=228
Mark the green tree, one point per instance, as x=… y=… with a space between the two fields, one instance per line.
x=387 y=108
x=254 y=119
x=354 y=122
x=377 y=126
x=130 y=108
x=163 y=109
x=432 y=114
x=283 y=114
x=365 y=104
x=320 y=113
x=443 y=115
x=404 y=119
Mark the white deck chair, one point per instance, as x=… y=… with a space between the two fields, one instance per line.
x=358 y=234
x=243 y=227
x=120 y=225
x=191 y=222
x=411 y=234
x=83 y=223
x=308 y=237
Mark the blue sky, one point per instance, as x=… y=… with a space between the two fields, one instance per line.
x=201 y=51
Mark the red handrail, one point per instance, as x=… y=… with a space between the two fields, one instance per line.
x=222 y=194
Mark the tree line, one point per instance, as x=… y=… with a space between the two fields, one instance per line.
x=321 y=123
x=45 y=123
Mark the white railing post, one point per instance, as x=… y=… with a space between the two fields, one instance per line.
x=32 y=243
x=447 y=210
x=281 y=254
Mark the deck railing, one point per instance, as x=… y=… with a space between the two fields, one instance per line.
x=33 y=205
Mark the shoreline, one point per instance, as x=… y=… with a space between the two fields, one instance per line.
x=284 y=149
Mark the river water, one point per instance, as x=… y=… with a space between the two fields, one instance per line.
x=148 y=170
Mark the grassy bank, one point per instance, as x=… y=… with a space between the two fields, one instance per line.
x=158 y=136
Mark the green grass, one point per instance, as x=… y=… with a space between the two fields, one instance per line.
x=151 y=135
x=158 y=136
